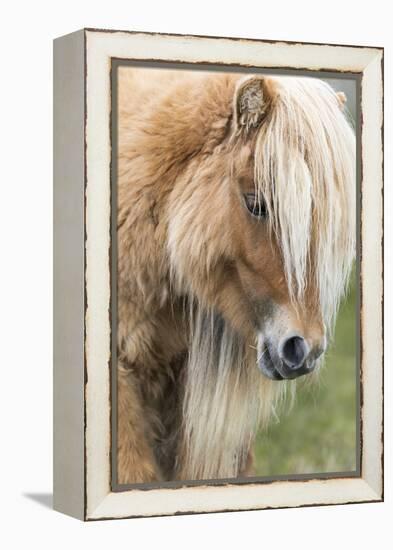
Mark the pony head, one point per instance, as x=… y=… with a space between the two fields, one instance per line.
x=262 y=227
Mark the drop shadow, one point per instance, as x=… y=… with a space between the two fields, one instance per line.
x=45 y=499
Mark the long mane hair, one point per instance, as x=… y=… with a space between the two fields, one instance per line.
x=305 y=172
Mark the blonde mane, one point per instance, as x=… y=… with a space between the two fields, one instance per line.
x=223 y=382
x=305 y=172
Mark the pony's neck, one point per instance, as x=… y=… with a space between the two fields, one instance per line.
x=191 y=117
x=183 y=125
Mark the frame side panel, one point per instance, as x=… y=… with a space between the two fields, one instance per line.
x=372 y=275
x=68 y=242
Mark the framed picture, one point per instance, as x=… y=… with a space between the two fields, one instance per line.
x=218 y=274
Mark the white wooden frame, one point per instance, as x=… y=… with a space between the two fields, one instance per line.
x=82 y=439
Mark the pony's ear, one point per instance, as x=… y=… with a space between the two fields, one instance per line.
x=251 y=101
x=342 y=99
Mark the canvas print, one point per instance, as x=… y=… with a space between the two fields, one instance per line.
x=234 y=314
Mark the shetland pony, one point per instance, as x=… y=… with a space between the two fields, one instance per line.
x=236 y=236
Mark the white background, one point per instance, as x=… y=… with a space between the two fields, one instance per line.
x=26 y=272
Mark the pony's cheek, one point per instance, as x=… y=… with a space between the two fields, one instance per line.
x=263 y=282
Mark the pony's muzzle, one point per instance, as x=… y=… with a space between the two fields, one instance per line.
x=291 y=358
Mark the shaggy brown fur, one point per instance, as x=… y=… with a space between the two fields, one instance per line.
x=197 y=277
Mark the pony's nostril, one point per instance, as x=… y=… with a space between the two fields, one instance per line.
x=294 y=352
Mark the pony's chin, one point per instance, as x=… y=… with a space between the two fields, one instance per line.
x=271 y=374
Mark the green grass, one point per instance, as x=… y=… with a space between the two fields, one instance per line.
x=318 y=434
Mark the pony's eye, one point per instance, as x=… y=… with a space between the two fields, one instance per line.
x=257 y=207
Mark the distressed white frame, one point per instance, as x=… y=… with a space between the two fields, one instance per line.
x=99 y=501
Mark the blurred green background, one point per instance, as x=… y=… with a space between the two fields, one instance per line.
x=318 y=434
